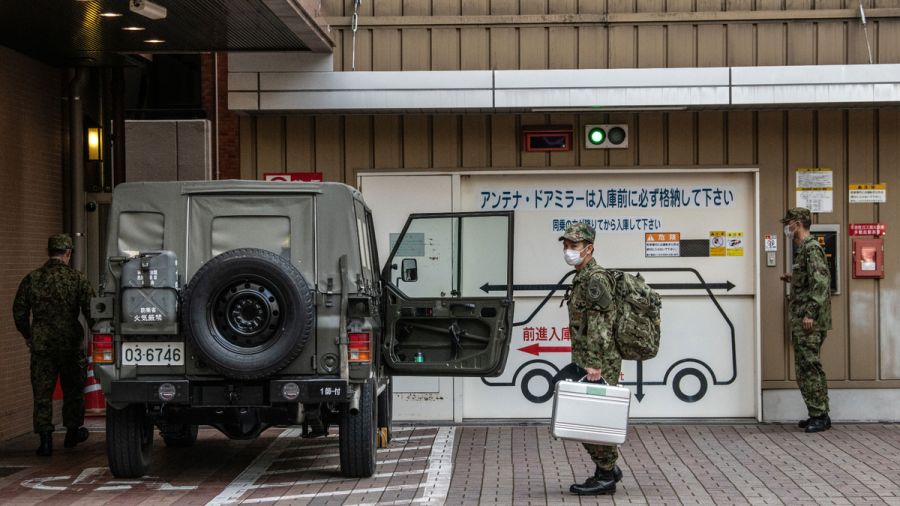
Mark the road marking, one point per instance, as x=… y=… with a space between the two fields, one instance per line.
x=400 y=439
x=332 y=480
x=310 y=495
x=337 y=466
x=256 y=469
x=326 y=455
x=89 y=473
x=440 y=467
x=39 y=483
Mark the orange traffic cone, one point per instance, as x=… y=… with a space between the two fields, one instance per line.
x=94 y=402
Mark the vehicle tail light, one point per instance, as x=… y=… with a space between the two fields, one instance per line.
x=360 y=347
x=103 y=349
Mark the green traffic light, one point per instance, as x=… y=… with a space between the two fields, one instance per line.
x=596 y=136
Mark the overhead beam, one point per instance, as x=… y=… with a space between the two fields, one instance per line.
x=305 y=20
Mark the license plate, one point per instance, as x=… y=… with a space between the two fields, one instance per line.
x=152 y=353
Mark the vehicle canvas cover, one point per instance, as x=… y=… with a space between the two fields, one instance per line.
x=637 y=327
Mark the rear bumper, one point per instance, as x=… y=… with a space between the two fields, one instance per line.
x=223 y=393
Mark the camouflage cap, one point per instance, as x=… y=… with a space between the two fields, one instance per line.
x=577 y=232
x=796 y=213
x=59 y=242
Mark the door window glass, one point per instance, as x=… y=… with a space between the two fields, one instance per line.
x=271 y=233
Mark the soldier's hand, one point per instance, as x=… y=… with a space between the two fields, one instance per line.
x=786 y=277
x=593 y=374
x=807 y=323
x=29 y=344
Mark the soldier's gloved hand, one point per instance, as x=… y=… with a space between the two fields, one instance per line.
x=593 y=374
x=786 y=277
x=807 y=323
x=29 y=344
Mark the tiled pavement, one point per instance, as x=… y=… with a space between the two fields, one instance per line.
x=509 y=464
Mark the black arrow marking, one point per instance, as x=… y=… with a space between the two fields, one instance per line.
x=727 y=285
x=640 y=381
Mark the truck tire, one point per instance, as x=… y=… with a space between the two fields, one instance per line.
x=129 y=439
x=178 y=435
x=386 y=410
x=248 y=313
x=357 y=435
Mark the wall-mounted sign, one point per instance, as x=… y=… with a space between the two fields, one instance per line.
x=717 y=244
x=287 y=177
x=815 y=189
x=735 y=244
x=771 y=242
x=662 y=244
x=876 y=229
x=868 y=193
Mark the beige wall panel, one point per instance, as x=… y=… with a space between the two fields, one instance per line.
x=388 y=7
x=856 y=43
x=416 y=49
x=680 y=5
x=386 y=50
x=623 y=157
x=769 y=5
x=651 y=144
x=591 y=157
x=798 y=5
x=770 y=44
x=682 y=141
x=651 y=46
x=563 y=7
x=709 y=5
x=616 y=6
x=563 y=47
x=772 y=204
x=247 y=139
x=862 y=293
x=475 y=141
x=739 y=5
x=532 y=159
x=532 y=6
x=329 y=148
x=830 y=44
x=270 y=144
x=831 y=153
x=474 y=51
x=889 y=214
x=337 y=54
x=741 y=138
x=388 y=141
x=829 y=4
x=504 y=142
x=476 y=7
x=711 y=138
x=651 y=5
x=504 y=7
x=358 y=146
x=592 y=6
x=566 y=158
x=504 y=49
x=446 y=7
x=741 y=48
x=801 y=46
x=681 y=47
x=363 y=50
x=446 y=141
x=592 y=47
x=333 y=7
x=533 y=48
x=889 y=43
x=445 y=49
x=300 y=143
x=622 y=50
x=416 y=142
x=710 y=46
x=415 y=7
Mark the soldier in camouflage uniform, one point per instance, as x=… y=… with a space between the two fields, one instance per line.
x=54 y=295
x=810 y=316
x=594 y=353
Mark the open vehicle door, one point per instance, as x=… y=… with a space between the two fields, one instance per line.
x=449 y=305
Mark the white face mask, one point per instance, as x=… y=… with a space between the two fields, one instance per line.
x=788 y=232
x=573 y=256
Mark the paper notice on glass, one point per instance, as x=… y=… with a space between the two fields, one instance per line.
x=815 y=189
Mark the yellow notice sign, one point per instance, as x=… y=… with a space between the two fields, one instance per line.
x=868 y=193
x=735 y=244
x=717 y=243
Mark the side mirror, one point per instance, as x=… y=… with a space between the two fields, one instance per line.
x=410 y=270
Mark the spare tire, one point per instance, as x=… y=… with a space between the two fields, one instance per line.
x=247 y=313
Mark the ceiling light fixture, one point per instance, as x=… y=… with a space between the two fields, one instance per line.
x=133 y=28
x=147 y=9
x=110 y=14
x=154 y=41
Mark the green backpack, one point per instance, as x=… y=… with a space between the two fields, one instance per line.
x=636 y=328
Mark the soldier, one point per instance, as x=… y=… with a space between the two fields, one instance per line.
x=594 y=353
x=54 y=295
x=810 y=316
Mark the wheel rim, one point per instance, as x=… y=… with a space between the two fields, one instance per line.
x=246 y=314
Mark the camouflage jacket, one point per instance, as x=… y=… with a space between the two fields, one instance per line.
x=591 y=317
x=53 y=295
x=811 y=286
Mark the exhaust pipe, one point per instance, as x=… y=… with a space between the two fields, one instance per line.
x=354 y=401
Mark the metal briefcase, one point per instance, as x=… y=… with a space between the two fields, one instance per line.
x=590 y=412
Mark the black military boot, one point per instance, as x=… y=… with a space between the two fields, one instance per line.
x=803 y=423
x=46 y=448
x=601 y=483
x=617 y=473
x=819 y=424
x=75 y=435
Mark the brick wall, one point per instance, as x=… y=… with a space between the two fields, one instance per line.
x=31 y=207
x=226 y=129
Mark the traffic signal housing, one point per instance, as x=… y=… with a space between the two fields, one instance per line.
x=606 y=136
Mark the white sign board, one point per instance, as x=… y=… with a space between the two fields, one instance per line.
x=868 y=193
x=815 y=189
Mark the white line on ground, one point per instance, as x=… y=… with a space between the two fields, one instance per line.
x=332 y=480
x=256 y=469
x=410 y=438
x=327 y=455
x=324 y=468
x=310 y=495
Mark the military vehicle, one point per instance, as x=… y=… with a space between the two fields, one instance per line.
x=245 y=305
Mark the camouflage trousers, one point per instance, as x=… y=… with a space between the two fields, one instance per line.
x=604 y=456
x=808 y=368
x=70 y=366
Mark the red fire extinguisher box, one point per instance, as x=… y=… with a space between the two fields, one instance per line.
x=868 y=257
